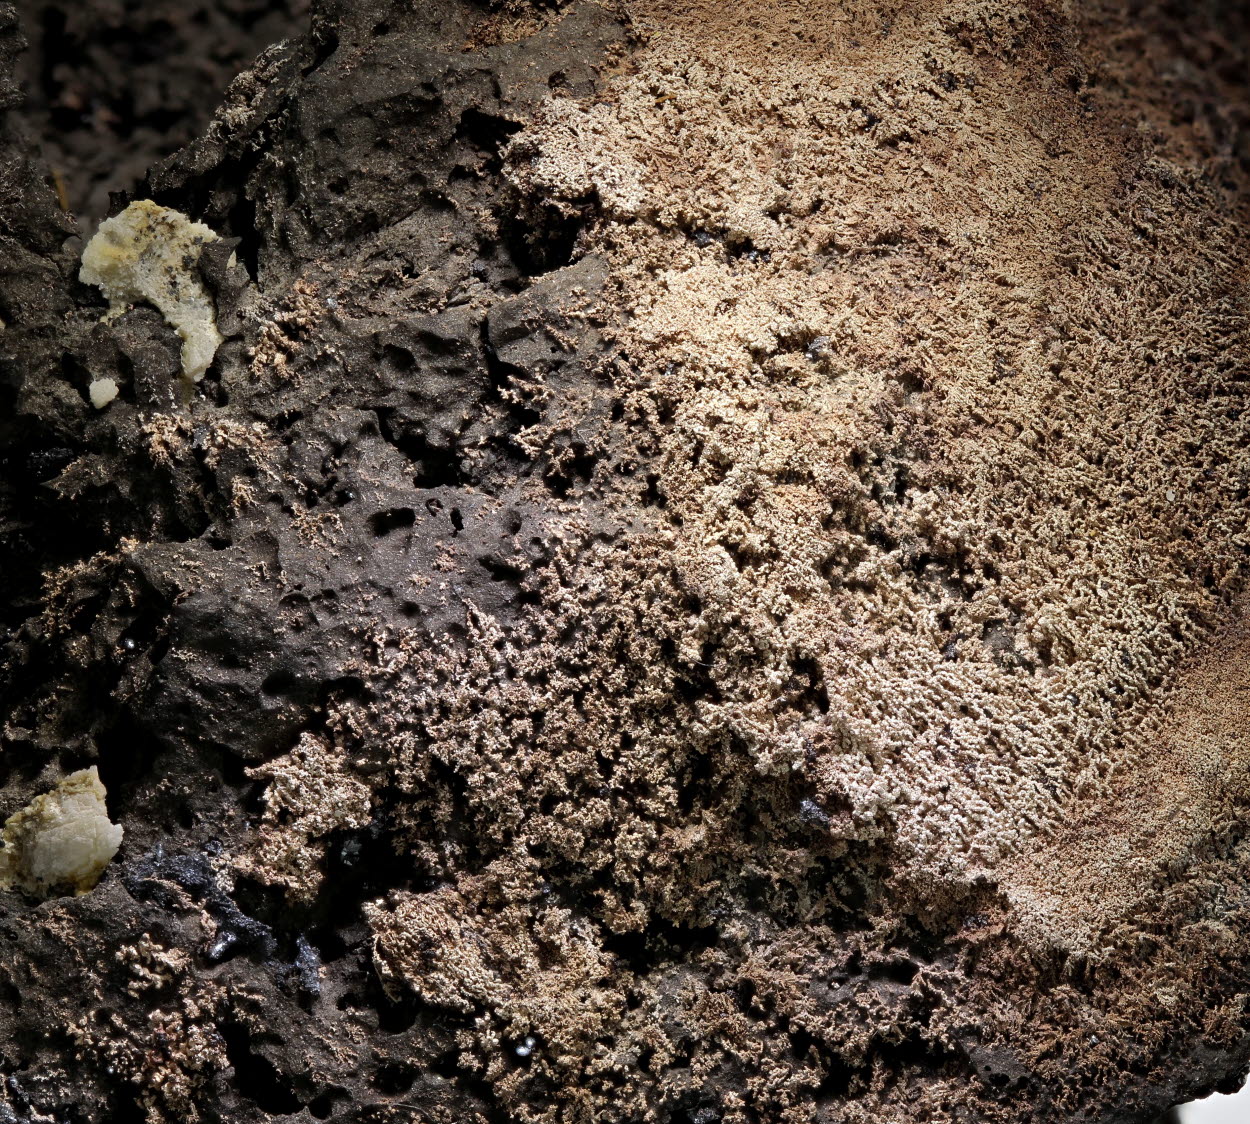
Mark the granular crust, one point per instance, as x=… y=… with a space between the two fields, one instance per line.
x=705 y=582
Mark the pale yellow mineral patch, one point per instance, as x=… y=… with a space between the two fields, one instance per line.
x=148 y=253
x=62 y=840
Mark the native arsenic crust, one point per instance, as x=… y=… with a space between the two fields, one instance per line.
x=705 y=582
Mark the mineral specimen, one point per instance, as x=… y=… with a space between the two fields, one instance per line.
x=62 y=840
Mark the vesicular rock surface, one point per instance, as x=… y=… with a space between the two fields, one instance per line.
x=705 y=582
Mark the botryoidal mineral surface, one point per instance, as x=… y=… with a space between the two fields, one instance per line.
x=705 y=582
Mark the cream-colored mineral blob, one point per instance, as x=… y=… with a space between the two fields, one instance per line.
x=148 y=253
x=102 y=392
x=62 y=840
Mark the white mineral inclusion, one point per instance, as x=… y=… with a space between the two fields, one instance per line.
x=62 y=840
x=149 y=253
x=102 y=392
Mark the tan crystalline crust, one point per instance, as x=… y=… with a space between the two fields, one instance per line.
x=62 y=840
x=942 y=374
x=311 y=794
x=950 y=413
x=149 y=253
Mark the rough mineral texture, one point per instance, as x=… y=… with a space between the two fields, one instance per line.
x=61 y=841
x=705 y=583
x=150 y=255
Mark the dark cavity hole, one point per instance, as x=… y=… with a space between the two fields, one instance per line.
x=384 y=522
x=393 y=1078
x=256 y=1078
x=486 y=130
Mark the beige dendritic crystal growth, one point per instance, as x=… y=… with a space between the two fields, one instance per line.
x=61 y=841
x=311 y=794
x=149 y=253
